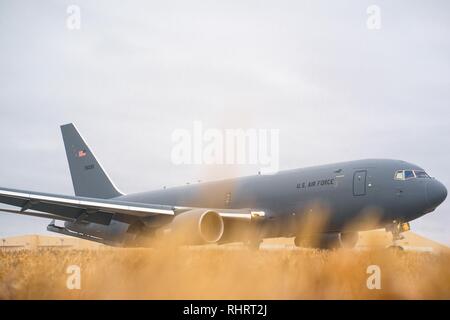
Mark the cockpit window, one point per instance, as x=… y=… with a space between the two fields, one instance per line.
x=410 y=174
x=400 y=175
x=421 y=174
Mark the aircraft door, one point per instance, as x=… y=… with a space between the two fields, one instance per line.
x=359 y=182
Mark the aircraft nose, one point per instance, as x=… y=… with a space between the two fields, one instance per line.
x=436 y=193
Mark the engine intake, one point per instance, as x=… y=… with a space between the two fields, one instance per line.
x=197 y=226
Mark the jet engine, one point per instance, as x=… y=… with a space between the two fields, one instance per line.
x=196 y=226
x=116 y=231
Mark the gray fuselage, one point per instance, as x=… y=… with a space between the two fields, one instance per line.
x=349 y=192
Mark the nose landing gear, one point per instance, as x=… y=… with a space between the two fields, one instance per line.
x=397 y=228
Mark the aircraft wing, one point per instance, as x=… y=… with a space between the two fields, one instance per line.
x=80 y=208
x=36 y=214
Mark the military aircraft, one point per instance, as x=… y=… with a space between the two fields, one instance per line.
x=344 y=197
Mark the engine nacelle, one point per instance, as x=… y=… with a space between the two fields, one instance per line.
x=115 y=231
x=196 y=226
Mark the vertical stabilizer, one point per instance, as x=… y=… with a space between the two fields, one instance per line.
x=88 y=176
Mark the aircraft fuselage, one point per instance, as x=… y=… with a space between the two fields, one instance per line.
x=347 y=192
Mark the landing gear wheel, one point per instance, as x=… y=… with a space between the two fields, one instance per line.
x=396 y=228
x=297 y=242
x=254 y=244
x=396 y=248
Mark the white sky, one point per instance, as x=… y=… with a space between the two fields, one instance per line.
x=138 y=70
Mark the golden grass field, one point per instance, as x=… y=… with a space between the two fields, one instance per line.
x=224 y=273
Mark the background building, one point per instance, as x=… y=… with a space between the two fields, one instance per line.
x=41 y=242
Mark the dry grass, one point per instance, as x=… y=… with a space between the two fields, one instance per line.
x=209 y=273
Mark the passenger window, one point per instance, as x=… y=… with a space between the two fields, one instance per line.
x=399 y=175
x=409 y=174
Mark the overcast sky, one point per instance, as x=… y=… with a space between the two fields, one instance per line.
x=138 y=70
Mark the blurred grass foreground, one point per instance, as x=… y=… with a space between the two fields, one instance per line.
x=227 y=272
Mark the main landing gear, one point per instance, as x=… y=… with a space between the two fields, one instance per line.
x=397 y=228
x=253 y=244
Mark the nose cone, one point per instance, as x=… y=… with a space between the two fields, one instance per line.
x=436 y=193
